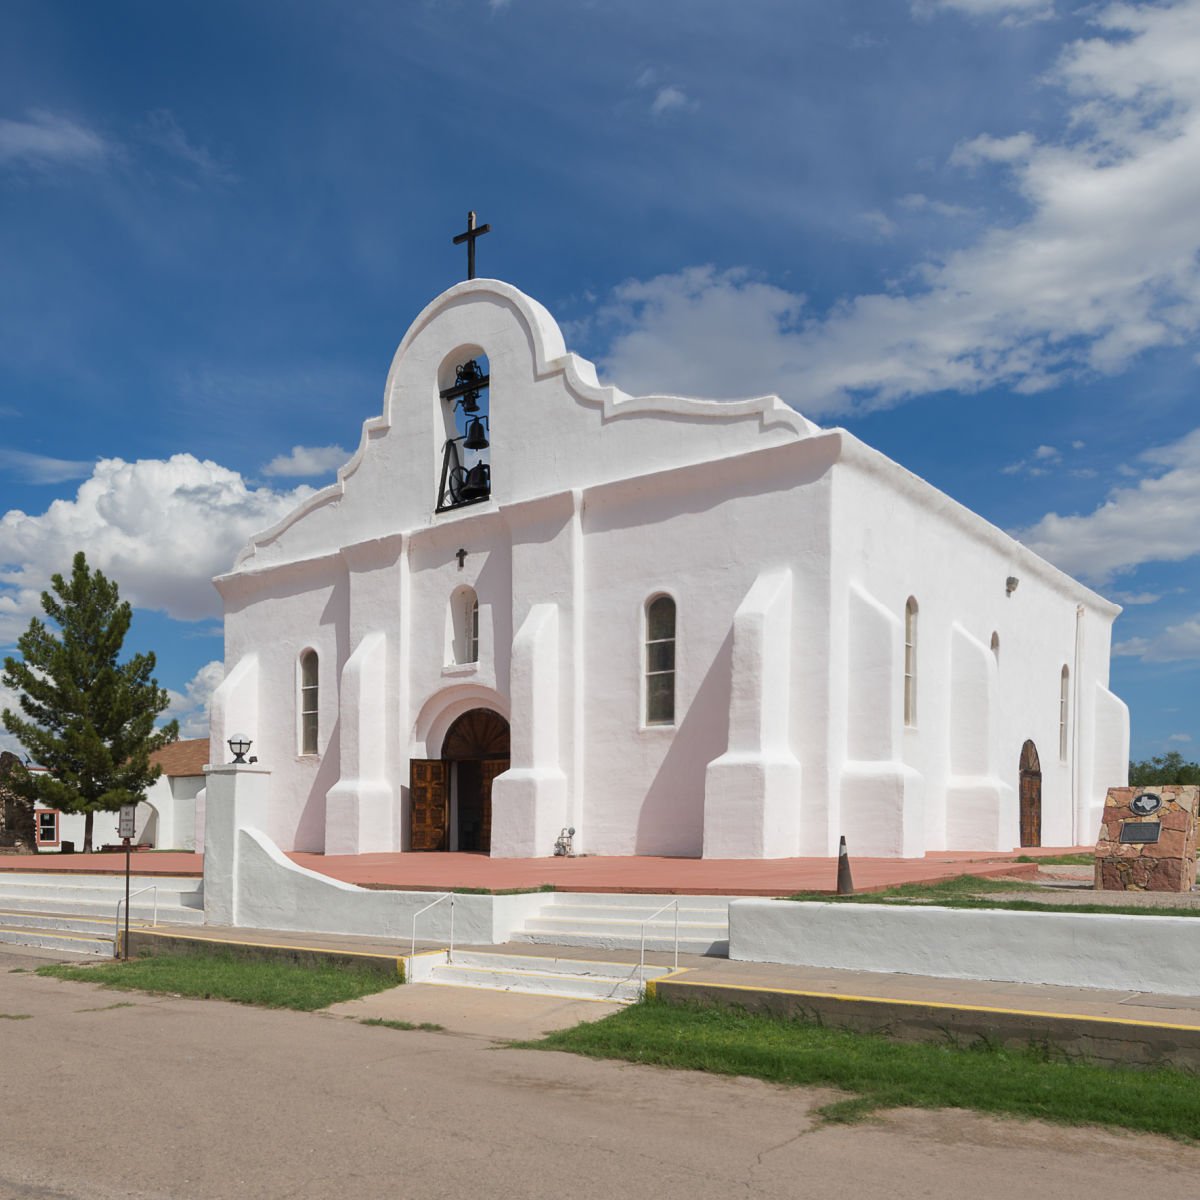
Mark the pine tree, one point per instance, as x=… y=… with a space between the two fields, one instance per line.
x=88 y=719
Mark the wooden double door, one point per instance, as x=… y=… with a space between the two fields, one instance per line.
x=451 y=797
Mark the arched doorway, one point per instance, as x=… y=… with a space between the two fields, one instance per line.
x=451 y=797
x=1031 y=796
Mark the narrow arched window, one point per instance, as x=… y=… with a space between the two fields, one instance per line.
x=463 y=627
x=1064 y=685
x=309 y=698
x=660 y=661
x=996 y=647
x=910 y=662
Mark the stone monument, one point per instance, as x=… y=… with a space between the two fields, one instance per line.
x=1148 y=839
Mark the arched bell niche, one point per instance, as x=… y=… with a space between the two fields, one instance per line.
x=464 y=464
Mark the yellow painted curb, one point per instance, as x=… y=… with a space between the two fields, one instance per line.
x=939 y=1004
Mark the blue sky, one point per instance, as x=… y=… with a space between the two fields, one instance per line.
x=966 y=230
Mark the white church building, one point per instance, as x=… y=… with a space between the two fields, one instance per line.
x=533 y=603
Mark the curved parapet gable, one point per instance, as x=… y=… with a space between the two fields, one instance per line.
x=531 y=370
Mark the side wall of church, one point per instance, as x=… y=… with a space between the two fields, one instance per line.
x=701 y=536
x=900 y=540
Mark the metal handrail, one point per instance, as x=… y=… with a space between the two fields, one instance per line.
x=150 y=887
x=433 y=904
x=642 y=962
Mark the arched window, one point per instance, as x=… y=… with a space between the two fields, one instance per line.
x=309 y=702
x=910 y=662
x=1064 y=685
x=464 y=627
x=996 y=647
x=660 y=661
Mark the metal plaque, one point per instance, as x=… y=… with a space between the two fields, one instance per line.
x=127 y=821
x=1144 y=804
x=1140 y=831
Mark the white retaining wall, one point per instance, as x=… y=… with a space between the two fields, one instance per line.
x=1097 y=950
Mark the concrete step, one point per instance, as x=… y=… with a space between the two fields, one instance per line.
x=714 y=944
x=716 y=914
x=174 y=889
x=570 y=978
x=52 y=939
x=141 y=907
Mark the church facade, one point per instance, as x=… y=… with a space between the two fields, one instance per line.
x=533 y=604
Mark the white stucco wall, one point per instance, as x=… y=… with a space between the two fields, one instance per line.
x=601 y=501
x=1062 y=948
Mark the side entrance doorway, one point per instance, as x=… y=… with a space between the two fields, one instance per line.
x=1031 y=796
x=451 y=797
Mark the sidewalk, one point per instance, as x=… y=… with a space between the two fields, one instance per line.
x=1118 y=1027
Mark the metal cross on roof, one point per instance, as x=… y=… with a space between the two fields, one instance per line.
x=469 y=237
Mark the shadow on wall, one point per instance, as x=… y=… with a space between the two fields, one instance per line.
x=310 y=828
x=671 y=821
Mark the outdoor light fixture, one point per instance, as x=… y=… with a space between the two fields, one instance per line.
x=238 y=745
x=1010 y=584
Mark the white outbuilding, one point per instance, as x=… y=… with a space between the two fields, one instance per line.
x=532 y=603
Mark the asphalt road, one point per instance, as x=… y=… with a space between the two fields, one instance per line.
x=106 y=1094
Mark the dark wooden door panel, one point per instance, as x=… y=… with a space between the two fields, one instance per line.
x=491 y=768
x=429 y=803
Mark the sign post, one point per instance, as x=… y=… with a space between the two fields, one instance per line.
x=125 y=828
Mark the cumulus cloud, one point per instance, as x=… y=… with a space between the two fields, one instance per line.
x=1154 y=520
x=1103 y=265
x=162 y=528
x=191 y=706
x=306 y=461
x=44 y=140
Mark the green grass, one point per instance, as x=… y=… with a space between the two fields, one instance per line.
x=972 y=891
x=881 y=1074
x=15 y=1016
x=223 y=977
x=427 y=1026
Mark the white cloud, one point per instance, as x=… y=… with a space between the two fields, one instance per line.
x=38 y=468
x=1179 y=737
x=306 y=461
x=44 y=139
x=1175 y=643
x=1012 y=11
x=670 y=99
x=917 y=202
x=191 y=707
x=1103 y=265
x=878 y=222
x=1154 y=520
x=1136 y=598
x=160 y=528
x=165 y=132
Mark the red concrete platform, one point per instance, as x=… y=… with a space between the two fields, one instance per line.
x=672 y=876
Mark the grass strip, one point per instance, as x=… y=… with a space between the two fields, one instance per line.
x=220 y=976
x=426 y=1026
x=1085 y=859
x=975 y=891
x=1036 y=1083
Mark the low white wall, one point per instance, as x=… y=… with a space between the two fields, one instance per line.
x=1097 y=950
x=272 y=892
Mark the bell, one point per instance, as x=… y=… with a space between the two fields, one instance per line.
x=477 y=485
x=476 y=438
x=470 y=401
